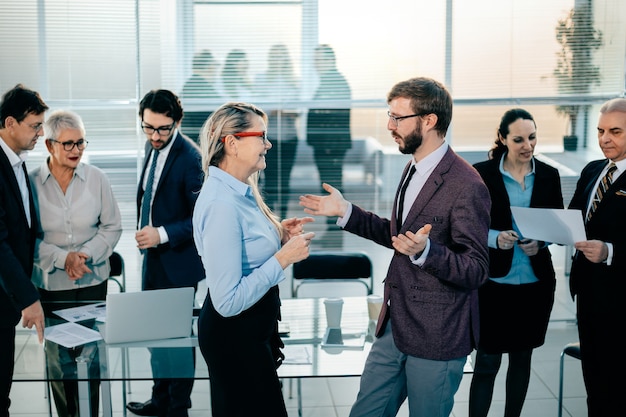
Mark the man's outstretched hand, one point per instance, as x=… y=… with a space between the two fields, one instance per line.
x=331 y=205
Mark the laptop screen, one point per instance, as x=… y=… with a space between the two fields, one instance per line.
x=149 y=315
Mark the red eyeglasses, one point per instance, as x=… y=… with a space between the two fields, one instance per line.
x=262 y=135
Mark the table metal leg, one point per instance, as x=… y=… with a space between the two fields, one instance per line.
x=299 y=397
x=84 y=397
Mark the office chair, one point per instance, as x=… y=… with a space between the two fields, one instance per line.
x=117 y=270
x=324 y=267
x=118 y=275
x=573 y=350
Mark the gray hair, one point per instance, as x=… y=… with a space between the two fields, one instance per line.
x=616 y=104
x=60 y=120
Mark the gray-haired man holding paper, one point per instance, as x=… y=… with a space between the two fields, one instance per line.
x=597 y=278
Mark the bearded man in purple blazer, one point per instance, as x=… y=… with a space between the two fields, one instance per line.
x=438 y=231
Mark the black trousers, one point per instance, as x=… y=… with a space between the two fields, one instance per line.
x=171 y=396
x=61 y=361
x=7 y=363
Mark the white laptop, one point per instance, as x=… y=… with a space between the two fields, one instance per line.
x=148 y=315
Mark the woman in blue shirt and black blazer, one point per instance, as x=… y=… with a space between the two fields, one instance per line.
x=516 y=301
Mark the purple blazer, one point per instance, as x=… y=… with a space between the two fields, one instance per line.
x=434 y=308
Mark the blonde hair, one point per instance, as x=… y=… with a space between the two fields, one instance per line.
x=231 y=118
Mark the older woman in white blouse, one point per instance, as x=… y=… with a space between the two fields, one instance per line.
x=80 y=225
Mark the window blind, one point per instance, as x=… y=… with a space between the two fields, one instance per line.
x=100 y=58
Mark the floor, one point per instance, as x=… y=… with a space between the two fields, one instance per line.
x=334 y=396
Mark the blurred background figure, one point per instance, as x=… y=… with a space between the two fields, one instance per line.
x=201 y=86
x=279 y=85
x=80 y=224
x=328 y=129
x=234 y=84
x=515 y=303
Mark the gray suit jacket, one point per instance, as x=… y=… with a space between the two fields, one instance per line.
x=434 y=308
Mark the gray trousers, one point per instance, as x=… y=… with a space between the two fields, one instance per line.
x=391 y=376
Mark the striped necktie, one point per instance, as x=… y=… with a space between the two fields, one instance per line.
x=604 y=185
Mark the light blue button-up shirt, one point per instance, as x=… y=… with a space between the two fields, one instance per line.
x=236 y=242
x=521 y=271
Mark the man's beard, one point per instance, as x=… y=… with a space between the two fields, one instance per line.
x=412 y=141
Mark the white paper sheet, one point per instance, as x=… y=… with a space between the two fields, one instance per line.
x=561 y=226
x=71 y=334
x=297 y=355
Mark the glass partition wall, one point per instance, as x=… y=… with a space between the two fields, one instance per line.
x=100 y=58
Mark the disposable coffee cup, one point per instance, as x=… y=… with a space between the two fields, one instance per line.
x=374 y=304
x=333 y=311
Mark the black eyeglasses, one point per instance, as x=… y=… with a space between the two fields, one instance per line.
x=395 y=120
x=69 y=145
x=161 y=131
x=262 y=135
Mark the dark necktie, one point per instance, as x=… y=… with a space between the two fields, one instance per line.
x=147 y=195
x=604 y=185
x=22 y=182
x=405 y=185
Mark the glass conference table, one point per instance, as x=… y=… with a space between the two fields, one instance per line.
x=305 y=319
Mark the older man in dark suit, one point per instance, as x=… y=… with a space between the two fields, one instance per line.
x=169 y=186
x=21 y=123
x=438 y=230
x=598 y=274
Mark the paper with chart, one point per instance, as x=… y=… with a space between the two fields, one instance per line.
x=90 y=311
x=561 y=226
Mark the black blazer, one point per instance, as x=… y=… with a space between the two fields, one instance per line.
x=608 y=225
x=172 y=207
x=329 y=129
x=17 y=247
x=546 y=194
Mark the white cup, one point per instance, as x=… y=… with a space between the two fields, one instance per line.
x=374 y=304
x=333 y=311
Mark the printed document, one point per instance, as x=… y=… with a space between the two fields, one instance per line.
x=561 y=226
x=71 y=334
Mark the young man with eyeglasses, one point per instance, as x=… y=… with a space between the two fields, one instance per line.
x=170 y=183
x=21 y=124
x=438 y=230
